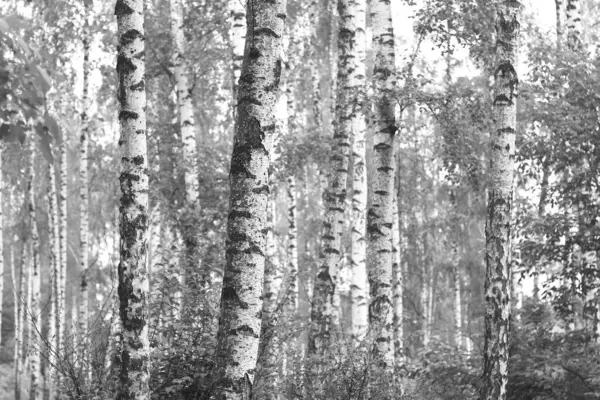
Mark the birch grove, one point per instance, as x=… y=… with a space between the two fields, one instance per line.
x=257 y=199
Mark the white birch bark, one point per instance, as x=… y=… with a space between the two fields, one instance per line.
x=241 y=299
x=63 y=243
x=133 y=278
x=270 y=346
x=34 y=343
x=49 y=380
x=497 y=283
x=238 y=41
x=291 y=300
x=324 y=313
x=21 y=323
x=83 y=319
x=381 y=213
x=358 y=241
x=457 y=296
x=424 y=299
x=560 y=18
x=189 y=163
x=574 y=29
x=398 y=292
x=1 y=241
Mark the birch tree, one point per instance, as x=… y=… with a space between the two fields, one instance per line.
x=238 y=40
x=35 y=390
x=323 y=310
x=358 y=242
x=133 y=279
x=63 y=243
x=83 y=196
x=574 y=30
x=1 y=242
x=380 y=223
x=497 y=282
x=241 y=298
x=55 y=272
x=187 y=128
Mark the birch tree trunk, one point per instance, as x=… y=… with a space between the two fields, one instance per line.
x=17 y=318
x=291 y=301
x=238 y=41
x=35 y=391
x=497 y=283
x=133 y=279
x=1 y=241
x=63 y=242
x=358 y=228
x=83 y=319
x=457 y=297
x=55 y=271
x=241 y=298
x=398 y=292
x=574 y=30
x=269 y=354
x=426 y=288
x=20 y=333
x=189 y=163
x=560 y=30
x=323 y=310
x=381 y=212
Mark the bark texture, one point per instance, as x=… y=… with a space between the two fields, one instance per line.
x=398 y=291
x=34 y=311
x=63 y=242
x=241 y=297
x=291 y=301
x=189 y=163
x=323 y=313
x=358 y=240
x=1 y=242
x=53 y=343
x=133 y=279
x=497 y=283
x=381 y=213
x=83 y=199
x=574 y=30
x=560 y=29
x=238 y=41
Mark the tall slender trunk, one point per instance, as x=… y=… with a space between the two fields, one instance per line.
x=426 y=288
x=381 y=212
x=323 y=310
x=267 y=371
x=1 y=240
x=35 y=329
x=358 y=228
x=574 y=29
x=49 y=382
x=457 y=297
x=19 y=296
x=63 y=243
x=241 y=298
x=133 y=278
x=292 y=292
x=560 y=30
x=497 y=282
x=189 y=163
x=25 y=305
x=83 y=351
x=398 y=290
x=238 y=41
